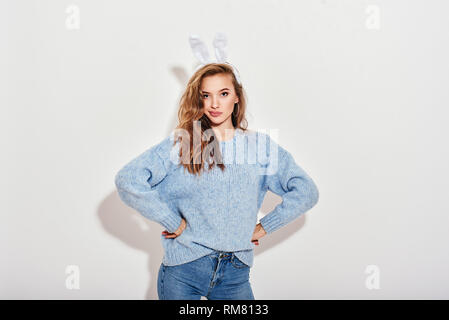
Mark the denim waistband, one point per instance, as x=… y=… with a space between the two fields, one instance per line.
x=222 y=254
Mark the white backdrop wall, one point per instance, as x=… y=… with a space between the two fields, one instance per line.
x=357 y=89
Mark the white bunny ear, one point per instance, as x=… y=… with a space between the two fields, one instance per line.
x=220 y=42
x=199 y=48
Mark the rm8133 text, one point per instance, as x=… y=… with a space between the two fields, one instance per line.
x=245 y=309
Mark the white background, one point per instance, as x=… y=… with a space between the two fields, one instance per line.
x=357 y=89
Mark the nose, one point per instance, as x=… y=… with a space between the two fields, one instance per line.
x=215 y=103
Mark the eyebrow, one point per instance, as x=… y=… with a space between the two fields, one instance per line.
x=218 y=91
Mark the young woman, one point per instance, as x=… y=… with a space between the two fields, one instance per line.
x=205 y=184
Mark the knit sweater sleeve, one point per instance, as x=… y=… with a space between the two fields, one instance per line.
x=298 y=191
x=137 y=185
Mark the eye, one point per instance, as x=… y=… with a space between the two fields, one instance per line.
x=227 y=93
x=204 y=95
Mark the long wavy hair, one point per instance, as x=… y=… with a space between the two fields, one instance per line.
x=191 y=112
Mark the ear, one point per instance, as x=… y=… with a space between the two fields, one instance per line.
x=199 y=48
x=220 y=42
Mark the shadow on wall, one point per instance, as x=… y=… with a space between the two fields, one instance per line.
x=142 y=234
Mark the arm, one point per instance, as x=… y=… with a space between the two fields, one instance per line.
x=137 y=185
x=299 y=192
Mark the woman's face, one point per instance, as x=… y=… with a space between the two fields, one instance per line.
x=219 y=97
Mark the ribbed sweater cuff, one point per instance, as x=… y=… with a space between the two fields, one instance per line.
x=271 y=222
x=172 y=222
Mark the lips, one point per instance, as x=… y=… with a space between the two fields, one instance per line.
x=215 y=114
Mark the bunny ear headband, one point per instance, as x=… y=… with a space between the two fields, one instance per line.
x=202 y=54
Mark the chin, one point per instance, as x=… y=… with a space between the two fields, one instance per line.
x=216 y=121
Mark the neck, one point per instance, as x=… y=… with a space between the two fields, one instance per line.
x=224 y=133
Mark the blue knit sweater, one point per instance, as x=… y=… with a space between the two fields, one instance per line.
x=220 y=208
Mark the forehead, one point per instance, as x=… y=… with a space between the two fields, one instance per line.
x=216 y=82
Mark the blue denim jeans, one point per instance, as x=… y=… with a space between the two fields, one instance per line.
x=217 y=276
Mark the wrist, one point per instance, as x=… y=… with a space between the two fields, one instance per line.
x=181 y=227
x=261 y=229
